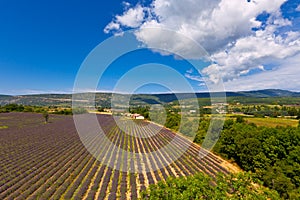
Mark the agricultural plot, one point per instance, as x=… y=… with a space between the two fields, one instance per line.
x=49 y=161
x=273 y=122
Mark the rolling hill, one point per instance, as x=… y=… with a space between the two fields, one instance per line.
x=103 y=99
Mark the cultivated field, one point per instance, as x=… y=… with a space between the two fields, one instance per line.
x=273 y=122
x=48 y=161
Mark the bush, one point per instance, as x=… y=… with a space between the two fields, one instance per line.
x=200 y=186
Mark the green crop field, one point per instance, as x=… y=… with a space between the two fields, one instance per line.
x=273 y=122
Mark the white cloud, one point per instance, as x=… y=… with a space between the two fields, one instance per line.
x=194 y=77
x=252 y=52
x=212 y=23
x=227 y=29
x=34 y=91
x=126 y=4
x=285 y=77
x=298 y=8
x=112 y=26
x=167 y=42
x=131 y=18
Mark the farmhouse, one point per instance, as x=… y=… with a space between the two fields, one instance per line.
x=137 y=116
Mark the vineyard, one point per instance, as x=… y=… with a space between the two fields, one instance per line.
x=48 y=160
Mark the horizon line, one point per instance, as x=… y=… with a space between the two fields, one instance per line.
x=149 y=93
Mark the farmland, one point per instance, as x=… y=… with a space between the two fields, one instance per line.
x=272 y=122
x=48 y=160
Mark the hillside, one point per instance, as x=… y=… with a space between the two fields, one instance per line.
x=103 y=99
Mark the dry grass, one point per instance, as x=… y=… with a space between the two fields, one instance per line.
x=273 y=122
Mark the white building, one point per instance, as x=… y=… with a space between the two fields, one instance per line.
x=140 y=117
x=137 y=116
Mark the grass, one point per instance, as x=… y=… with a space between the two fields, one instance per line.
x=3 y=127
x=268 y=122
x=273 y=122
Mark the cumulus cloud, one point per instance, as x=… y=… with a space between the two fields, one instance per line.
x=212 y=23
x=131 y=18
x=167 y=42
x=229 y=30
x=298 y=8
x=253 y=52
x=285 y=77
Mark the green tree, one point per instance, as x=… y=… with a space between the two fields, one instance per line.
x=271 y=153
x=173 y=121
x=46 y=116
x=240 y=119
x=199 y=186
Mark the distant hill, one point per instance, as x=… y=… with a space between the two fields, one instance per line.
x=5 y=99
x=104 y=99
x=270 y=93
x=255 y=94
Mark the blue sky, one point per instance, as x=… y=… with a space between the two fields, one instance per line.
x=43 y=43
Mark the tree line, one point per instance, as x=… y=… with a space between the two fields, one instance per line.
x=41 y=109
x=269 y=111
